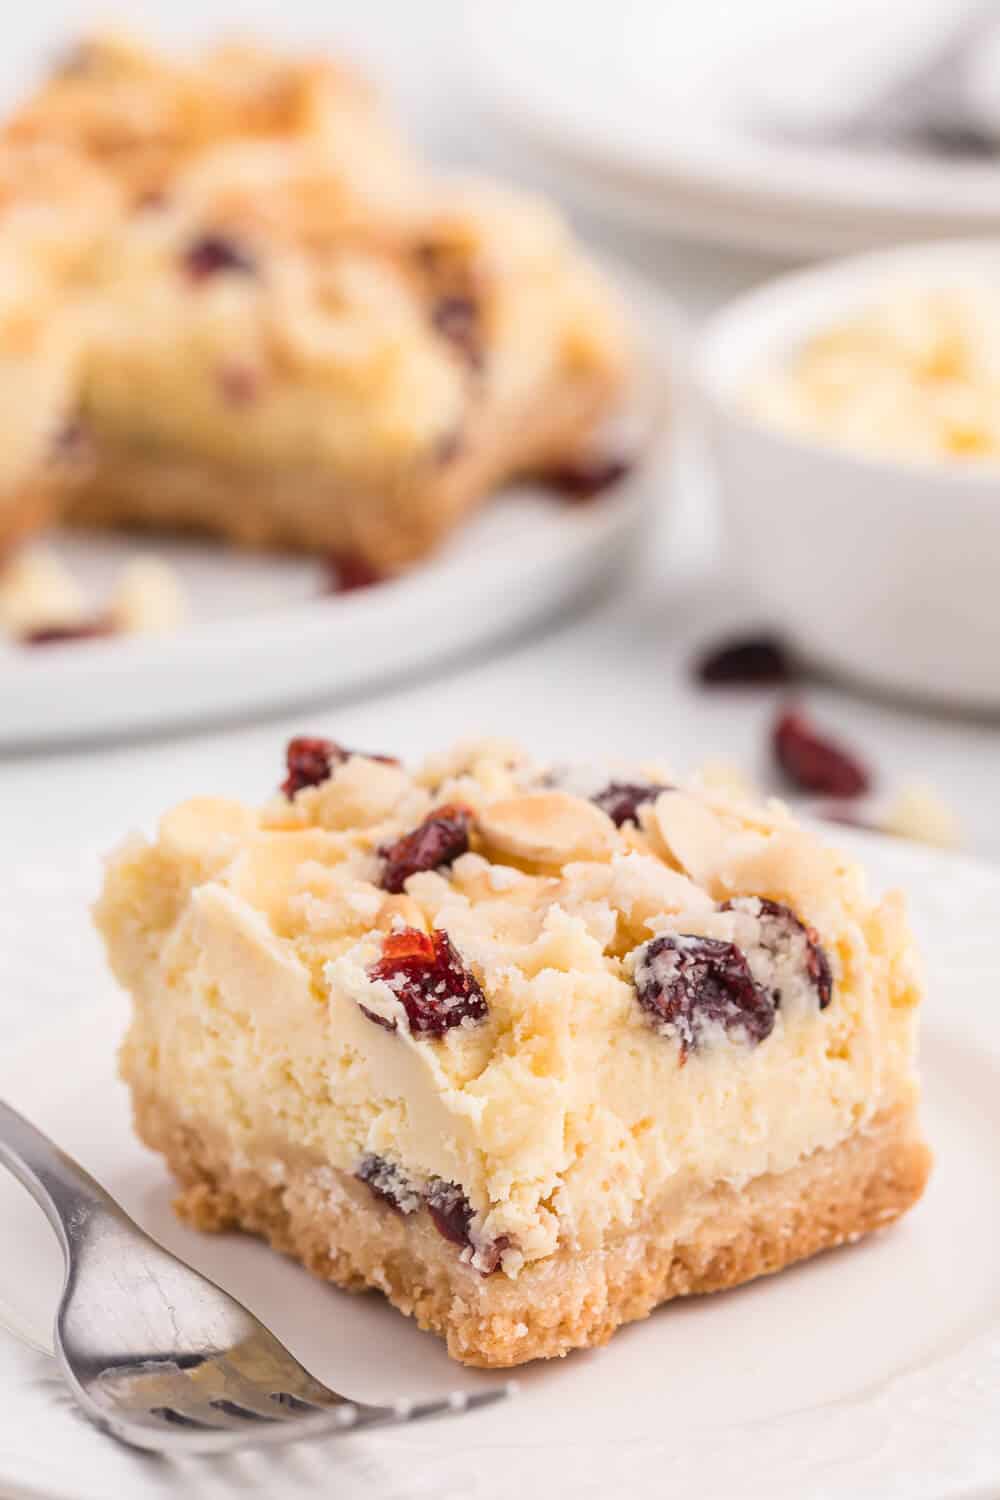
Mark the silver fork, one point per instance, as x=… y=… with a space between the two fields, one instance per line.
x=158 y=1355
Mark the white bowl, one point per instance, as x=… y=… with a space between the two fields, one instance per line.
x=885 y=570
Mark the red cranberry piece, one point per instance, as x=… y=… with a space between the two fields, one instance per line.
x=780 y=929
x=72 y=445
x=757 y=661
x=456 y=318
x=451 y=1214
x=151 y=201
x=240 y=384
x=57 y=635
x=437 y=841
x=346 y=571
x=427 y=975
x=311 y=761
x=450 y=1210
x=688 y=984
x=813 y=763
x=621 y=800
x=211 y=254
x=389 y=1182
x=586 y=478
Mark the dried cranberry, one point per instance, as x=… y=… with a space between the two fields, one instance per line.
x=57 y=635
x=587 y=477
x=151 y=201
x=757 y=661
x=72 y=444
x=212 y=253
x=450 y=1210
x=688 y=984
x=437 y=841
x=343 y=572
x=451 y=1214
x=457 y=319
x=427 y=975
x=240 y=384
x=621 y=800
x=780 y=927
x=311 y=761
x=813 y=763
x=389 y=1182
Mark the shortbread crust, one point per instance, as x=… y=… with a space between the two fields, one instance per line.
x=682 y=1246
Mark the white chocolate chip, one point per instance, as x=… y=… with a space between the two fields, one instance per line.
x=147 y=598
x=203 y=827
x=547 y=828
x=37 y=591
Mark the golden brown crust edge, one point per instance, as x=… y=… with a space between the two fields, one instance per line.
x=332 y=1224
x=390 y=522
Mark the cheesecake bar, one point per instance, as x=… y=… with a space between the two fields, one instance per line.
x=304 y=338
x=288 y=362
x=530 y=1049
x=54 y=210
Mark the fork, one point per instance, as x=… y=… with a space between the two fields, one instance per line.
x=155 y=1353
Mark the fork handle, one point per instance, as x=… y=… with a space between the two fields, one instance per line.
x=69 y=1196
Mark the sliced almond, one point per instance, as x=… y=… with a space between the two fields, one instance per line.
x=696 y=838
x=397 y=911
x=203 y=828
x=547 y=828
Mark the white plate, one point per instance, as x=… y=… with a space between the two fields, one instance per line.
x=653 y=106
x=263 y=637
x=869 y=1373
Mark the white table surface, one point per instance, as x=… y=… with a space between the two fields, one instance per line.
x=614 y=678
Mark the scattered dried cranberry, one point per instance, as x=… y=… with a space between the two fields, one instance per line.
x=311 y=760
x=343 y=572
x=815 y=764
x=240 y=384
x=450 y=1210
x=621 y=800
x=779 y=926
x=437 y=841
x=151 y=201
x=758 y=661
x=457 y=319
x=212 y=253
x=389 y=1182
x=587 y=477
x=57 y=635
x=428 y=977
x=72 y=444
x=451 y=1213
x=691 y=983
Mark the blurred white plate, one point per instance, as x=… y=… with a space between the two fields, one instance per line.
x=649 y=108
x=262 y=636
x=868 y=1373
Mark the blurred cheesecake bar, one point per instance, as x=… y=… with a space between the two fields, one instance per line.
x=54 y=210
x=530 y=1050
x=287 y=362
x=304 y=338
